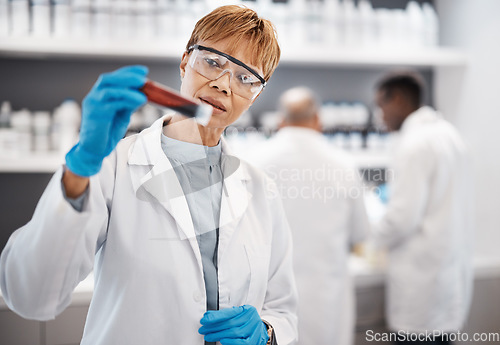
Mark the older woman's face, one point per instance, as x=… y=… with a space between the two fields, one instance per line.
x=227 y=105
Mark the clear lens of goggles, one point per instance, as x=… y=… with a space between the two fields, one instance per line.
x=212 y=66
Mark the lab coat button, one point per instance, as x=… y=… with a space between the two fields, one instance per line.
x=197 y=296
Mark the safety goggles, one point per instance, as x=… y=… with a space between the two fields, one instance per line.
x=213 y=64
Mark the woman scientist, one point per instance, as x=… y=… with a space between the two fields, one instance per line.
x=183 y=234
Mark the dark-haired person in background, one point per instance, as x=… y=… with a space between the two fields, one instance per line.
x=427 y=228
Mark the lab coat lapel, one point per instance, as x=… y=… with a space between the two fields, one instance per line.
x=160 y=181
x=235 y=196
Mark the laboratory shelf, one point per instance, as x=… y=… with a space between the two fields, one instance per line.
x=30 y=47
x=373 y=57
x=171 y=50
x=31 y=163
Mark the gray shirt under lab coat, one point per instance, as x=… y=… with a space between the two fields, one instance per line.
x=199 y=171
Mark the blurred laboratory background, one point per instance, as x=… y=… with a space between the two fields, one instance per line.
x=52 y=51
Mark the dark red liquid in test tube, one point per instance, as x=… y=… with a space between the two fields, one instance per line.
x=169 y=98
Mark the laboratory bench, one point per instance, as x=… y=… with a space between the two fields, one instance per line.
x=67 y=328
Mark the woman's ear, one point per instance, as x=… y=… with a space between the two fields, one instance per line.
x=182 y=66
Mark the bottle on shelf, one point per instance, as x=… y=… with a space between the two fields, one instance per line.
x=166 y=19
x=65 y=126
x=368 y=29
x=21 y=124
x=101 y=20
x=145 y=20
x=40 y=18
x=80 y=18
x=122 y=27
x=8 y=137
x=431 y=20
x=314 y=23
x=300 y=23
x=343 y=115
x=61 y=18
x=352 y=20
x=416 y=23
x=41 y=131
x=20 y=17
x=5 y=114
x=332 y=23
x=4 y=18
x=298 y=26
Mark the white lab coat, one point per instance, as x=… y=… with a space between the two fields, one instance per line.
x=427 y=227
x=149 y=286
x=324 y=204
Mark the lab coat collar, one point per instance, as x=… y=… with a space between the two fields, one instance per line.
x=424 y=114
x=161 y=182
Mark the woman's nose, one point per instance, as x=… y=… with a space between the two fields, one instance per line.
x=223 y=82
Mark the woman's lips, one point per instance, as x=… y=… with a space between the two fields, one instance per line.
x=218 y=106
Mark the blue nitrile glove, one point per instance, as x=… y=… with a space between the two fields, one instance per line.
x=383 y=193
x=106 y=112
x=234 y=326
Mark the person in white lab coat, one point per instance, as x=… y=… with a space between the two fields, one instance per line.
x=324 y=204
x=427 y=227
x=171 y=223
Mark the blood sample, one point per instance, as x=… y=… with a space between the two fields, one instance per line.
x=166 y=97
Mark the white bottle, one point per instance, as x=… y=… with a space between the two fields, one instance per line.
x=20 y=17
x=352 y=27
x=40 y=18
x=101 y=20
x=401 y=27
x=368 y=33
x=4 y=18
x=373 y=142
x=80 y=18
x=145 y=21
x=360 y=115
x=41 y=131
x=298 y=28
x=415 y=17
x=185 y=19
x=281 y=20
x=385 y=27
x=431 y=36
x=61 y=18
x=166 y=20
x=65 y=126
x=21 y=124
x=332 y=24
x=328 y=116
x=8 y=137
x=344 y=114
x=122 y=20
x=5 y=114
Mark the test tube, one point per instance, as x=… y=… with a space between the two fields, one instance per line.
x=169 y=98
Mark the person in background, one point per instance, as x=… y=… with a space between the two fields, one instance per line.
x=180 y=233
x=427 y=228
x=324 y=204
